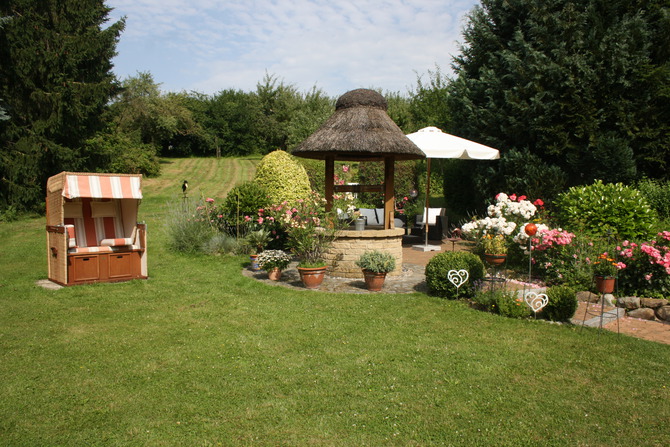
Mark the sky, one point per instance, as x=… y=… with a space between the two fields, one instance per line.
x=334 y=45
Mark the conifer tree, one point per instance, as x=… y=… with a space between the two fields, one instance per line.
x=55 y=82
x=579 y=85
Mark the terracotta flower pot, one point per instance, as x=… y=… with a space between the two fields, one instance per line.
x=605 y=284
x=495 y=259
x=274 y=274
x=312 y=277
x=374 y=281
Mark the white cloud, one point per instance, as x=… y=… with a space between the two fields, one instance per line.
x=211 y=45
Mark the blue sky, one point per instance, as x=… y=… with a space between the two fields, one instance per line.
x=212 y=45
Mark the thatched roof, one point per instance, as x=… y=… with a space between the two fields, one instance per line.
x=360 y=129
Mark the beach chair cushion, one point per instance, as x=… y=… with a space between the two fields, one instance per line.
x=99 y=230
x=71 y=239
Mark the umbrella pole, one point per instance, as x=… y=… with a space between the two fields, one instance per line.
x=425 y=215
x=426 y=226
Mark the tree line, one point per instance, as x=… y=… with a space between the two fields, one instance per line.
x=569 y=91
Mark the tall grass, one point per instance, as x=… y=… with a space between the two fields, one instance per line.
x=201 y=355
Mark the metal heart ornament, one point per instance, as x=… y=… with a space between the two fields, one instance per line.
x=536 y=301
x=458 y=277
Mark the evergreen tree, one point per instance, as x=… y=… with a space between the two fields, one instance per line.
x=55 y=82
x=579 y=85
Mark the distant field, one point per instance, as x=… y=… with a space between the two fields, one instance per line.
x=210 y=177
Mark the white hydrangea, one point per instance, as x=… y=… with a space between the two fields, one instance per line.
x=489 y=225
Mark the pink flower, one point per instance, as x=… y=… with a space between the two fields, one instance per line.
x=260 y=220
x=220 y=216
x=345 y=168
x=538 y=202
x=520 y=198
x=512 y=197
x=209 y=200
x=648 y=277
x=247 y=218
x=620 y=265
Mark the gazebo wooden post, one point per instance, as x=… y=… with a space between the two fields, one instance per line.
x=330 y=181
x=389 y=198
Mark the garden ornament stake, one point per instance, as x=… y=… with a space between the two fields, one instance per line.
x=536 y=301
x=458 y=278
x=531 y=230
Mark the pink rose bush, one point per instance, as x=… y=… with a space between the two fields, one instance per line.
x=648 y=266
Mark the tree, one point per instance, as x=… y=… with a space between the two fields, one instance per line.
x=580 y=85
x=162 y=120
x=428 y=103
x=55 y=82
x=233 y=118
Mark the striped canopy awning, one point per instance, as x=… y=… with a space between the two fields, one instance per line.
x=102 y=186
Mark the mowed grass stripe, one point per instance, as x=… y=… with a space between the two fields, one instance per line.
x=208 y=177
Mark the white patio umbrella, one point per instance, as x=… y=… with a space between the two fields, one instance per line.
x=437 y=144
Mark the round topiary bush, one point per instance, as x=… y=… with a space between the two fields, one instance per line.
x=437 y=272
x=245 y=199
x=283 y=178
x=606 y=208
x=562 y=304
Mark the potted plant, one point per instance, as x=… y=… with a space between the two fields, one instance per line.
x=255 y=241
x=495 y=248
x=308 y=239
x=605 y=270
x=376 y=264
x=273 y=262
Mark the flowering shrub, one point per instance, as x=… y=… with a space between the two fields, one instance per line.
x=304 y=227
x=507 y=215
x=648 y=267
x=345 y=204
x=561 y=257
x=504 y=217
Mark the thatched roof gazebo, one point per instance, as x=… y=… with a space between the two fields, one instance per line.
x=360 y=130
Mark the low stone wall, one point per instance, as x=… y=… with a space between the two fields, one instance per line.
x=635 y=307
x=645 y=308
x=351 y=244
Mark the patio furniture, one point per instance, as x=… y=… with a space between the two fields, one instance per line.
x=437 y=224
x=92 y=230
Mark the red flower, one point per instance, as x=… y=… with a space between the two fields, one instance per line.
x=538 y=202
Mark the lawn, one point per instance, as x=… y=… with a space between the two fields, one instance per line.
x=200 y=355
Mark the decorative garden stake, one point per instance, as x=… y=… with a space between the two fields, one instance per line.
x=458 y=278
x=531 y=230
x=536 y=301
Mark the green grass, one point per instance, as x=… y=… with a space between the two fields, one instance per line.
x=200 y=355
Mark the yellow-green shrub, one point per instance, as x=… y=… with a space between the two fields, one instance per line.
x=283 y=178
